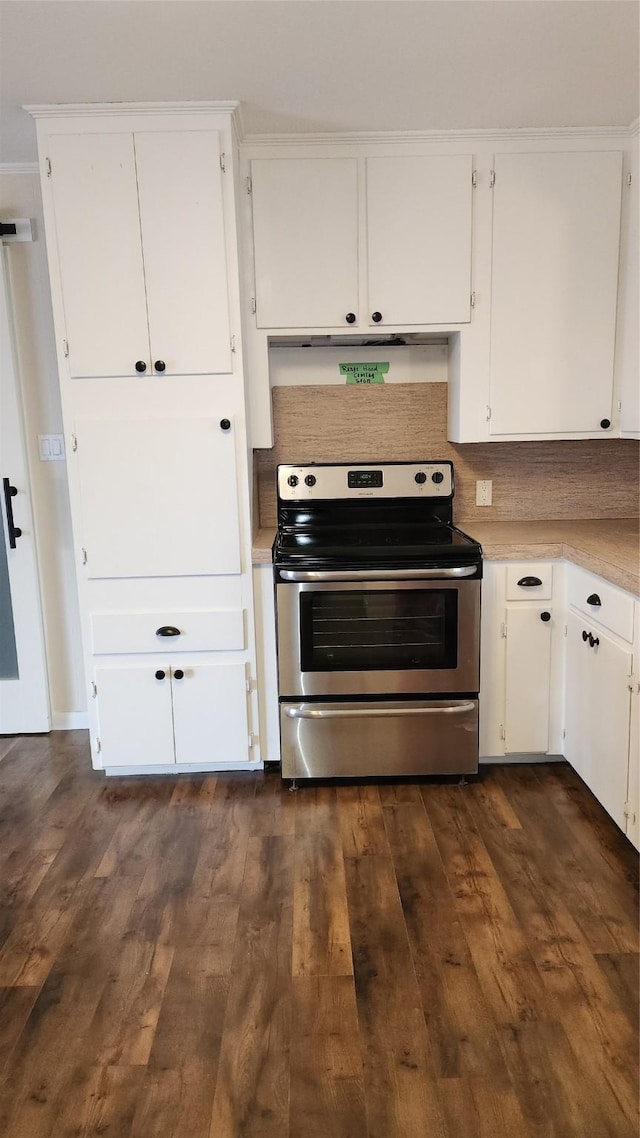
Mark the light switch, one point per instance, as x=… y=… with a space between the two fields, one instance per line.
x=51 y=448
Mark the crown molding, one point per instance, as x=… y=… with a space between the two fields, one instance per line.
x=82 y=110
x=19 y=168
x=521 y=134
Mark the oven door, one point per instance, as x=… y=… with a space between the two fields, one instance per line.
x=384 y=636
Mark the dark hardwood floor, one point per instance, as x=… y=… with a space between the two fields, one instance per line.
x=214 y=957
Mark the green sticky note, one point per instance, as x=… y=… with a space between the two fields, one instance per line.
x=364 y=373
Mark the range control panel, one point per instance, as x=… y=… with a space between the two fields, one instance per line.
x=348 y=481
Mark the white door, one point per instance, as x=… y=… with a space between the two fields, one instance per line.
x=135 y=716
x=305 y=233
x=93 y=182
x=556 y=234
x=598 y=709
x=210 y=713
x=185 y=263
x=24 y=693
x=159 y=497
x=528 y=668
x=419 y=239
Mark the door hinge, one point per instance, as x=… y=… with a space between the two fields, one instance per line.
x=94 y=689
x=249 y=186
x=251 y=741
x=47 y=163
x=98 y=746
x=473 y=299
x=619 y=405
x=629 y=812
x=503 y=733
x=474 y=178
x=74 y=442
x=503 y=630
x=566 y=630
x=222 y=163
x=65 y=348
x=564 y=733
x=233 y=343
x=253 y=305
x=629 y=179
x=84 y=555
x=251 y=684
x=492 y=179
x=487 y=412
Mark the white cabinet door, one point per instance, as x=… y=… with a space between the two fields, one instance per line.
x=210 y=714
x=93 y=182
x=305 y=232
x=183 y=237
x=419 y=239
x=556 y=231
x=633 y=787
x=159 y=497
x=134 y=715
x=597 y=717
x=527 y=672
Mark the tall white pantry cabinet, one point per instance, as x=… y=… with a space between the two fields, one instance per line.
x=140 y=220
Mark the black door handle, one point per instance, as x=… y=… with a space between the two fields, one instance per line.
x=585 y=635
x=594 y=599
x=593 y=641
x=9 y=493
x=529 y=582
x=167 y=630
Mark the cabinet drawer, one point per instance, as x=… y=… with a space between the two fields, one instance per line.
x=203 y=630
x=521 y=581
x=598 y=600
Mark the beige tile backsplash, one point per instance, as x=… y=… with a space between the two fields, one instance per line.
x=531 y=480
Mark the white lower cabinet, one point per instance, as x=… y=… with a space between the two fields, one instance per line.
x=182 y=713
x=528 y=671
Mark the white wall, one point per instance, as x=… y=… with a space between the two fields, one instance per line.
x=20 y=197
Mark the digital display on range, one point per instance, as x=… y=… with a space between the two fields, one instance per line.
x=363 y=479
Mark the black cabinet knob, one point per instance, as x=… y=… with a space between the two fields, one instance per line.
x=593 y=641
x=350 y=318
x=167 y=630
x=594 y=599
x=585 y=635
x=376 y=317
x=160 y=674
x=225 y=424
x=160 y=365
x=178 y=674
x=141 y=365
x=605 y=424
x=545 y=616
x=421 y=478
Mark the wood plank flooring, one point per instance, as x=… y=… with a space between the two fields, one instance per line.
x=215 y=957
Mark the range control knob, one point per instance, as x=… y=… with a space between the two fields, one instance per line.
x=421 y=477
x=437 y=476
x=310 y=480
x=292 y=480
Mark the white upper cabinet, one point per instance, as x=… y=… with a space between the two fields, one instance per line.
x=362 y=242
x=419 y=239
x=305 y=233
x=556 y=233
x=141 y=245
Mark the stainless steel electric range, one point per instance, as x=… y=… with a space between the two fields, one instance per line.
x=378 y=622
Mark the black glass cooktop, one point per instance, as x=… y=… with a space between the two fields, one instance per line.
x=387 y=545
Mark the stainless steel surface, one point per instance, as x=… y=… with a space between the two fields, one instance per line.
x=397 y=744
x=373 y=711
x=331 y=482
x=293 y=682
x=377 y=574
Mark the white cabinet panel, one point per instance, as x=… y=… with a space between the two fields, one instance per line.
x=135 y=717
x=98 y=243
x=528 y=670
x=196 y=630
x=598 y=709
x=419 y=239
x=556 y=226
x=305 y=231
x=182 y=221
x=210 y=714
x=598 y=600
x=159 y=497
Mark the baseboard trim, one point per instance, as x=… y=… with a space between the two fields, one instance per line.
x=183 y=768
x=486 y=760
x=69 y=721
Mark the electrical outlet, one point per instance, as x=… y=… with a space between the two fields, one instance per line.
x=484 y=492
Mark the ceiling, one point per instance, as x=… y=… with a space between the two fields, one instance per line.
x=327 y=65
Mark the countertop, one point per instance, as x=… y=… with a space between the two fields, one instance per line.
x=608 y=547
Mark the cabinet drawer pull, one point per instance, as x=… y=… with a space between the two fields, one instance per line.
x=376 y=317
x=141 y=366
x=594 y=599
x=159 y=365
x=585 y=635
x=160 y=674
x=167 y=630
x=178 y=674
x=593 y=641
x=545 y=616
x=350 y=318
x=529 y=582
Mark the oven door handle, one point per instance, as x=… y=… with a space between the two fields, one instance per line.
x=377 y=574
x=377 y=710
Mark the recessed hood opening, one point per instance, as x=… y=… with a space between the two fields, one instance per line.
x=369 y=340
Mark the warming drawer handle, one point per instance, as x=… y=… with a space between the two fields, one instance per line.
x=377 y=574
x=529 y=582
x=379 y=711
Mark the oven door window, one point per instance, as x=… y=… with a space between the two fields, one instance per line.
x=358 y=631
